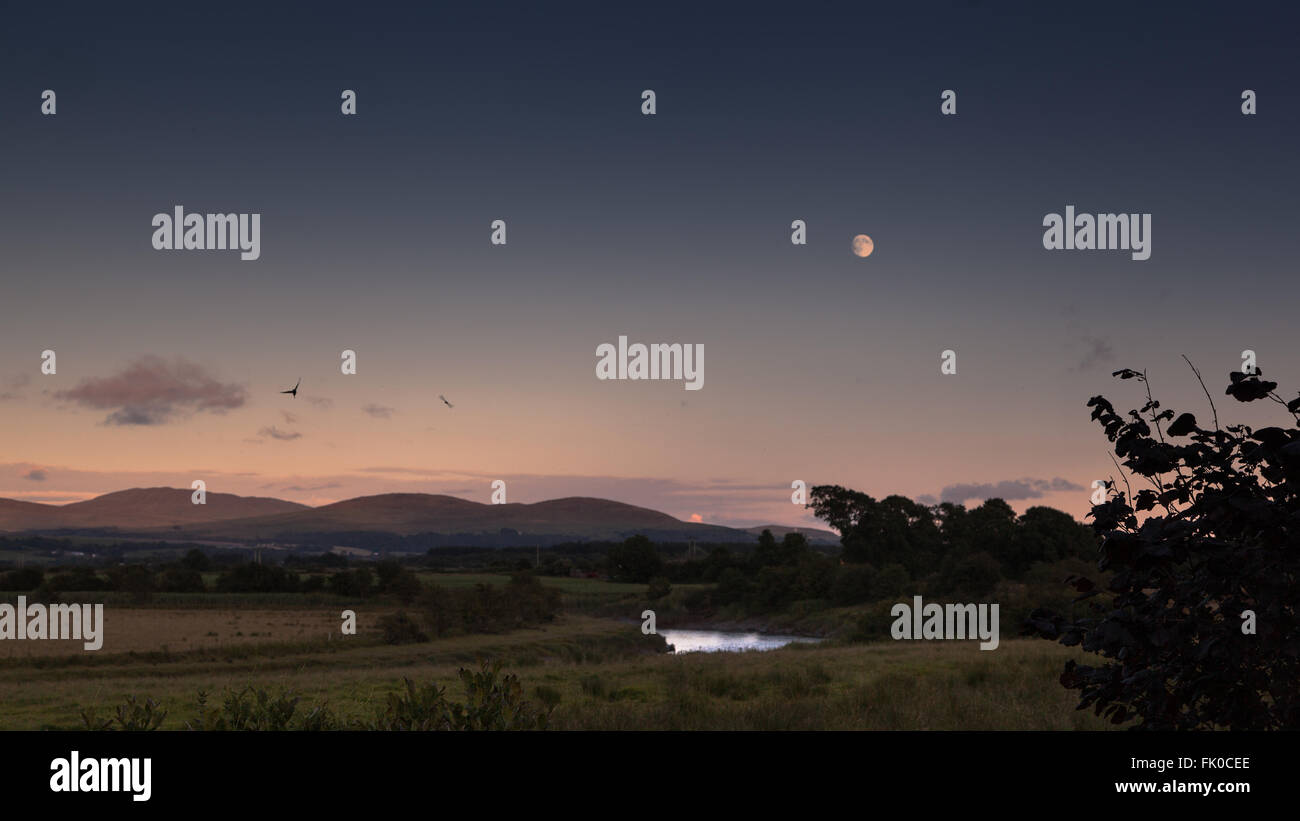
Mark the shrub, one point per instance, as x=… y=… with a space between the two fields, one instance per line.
x=399 y=628
x=659 y=587
x=492 y=702
x=78 y=579
x=257 y=578
x=892 y=581
x=356 y=583
x=968 y=578
x=1217 y=539
x=22 y=579
x=256 y=709
x=636 y=560
x=180 y=580
x=852 y=585
x=133 y=716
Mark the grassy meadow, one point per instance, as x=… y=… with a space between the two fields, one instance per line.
x=599 y=673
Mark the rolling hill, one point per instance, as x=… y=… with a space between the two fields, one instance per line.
x=137 y=509
x=156 y=513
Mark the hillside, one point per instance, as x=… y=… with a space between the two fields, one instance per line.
x=169 y=513
x=138 y=509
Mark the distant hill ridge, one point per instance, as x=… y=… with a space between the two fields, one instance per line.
x=812 y=534
x=138 y=508
x=169 y=512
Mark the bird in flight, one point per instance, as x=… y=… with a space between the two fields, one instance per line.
x=294 y=389
x=445 y=402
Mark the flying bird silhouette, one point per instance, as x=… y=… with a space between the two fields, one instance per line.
x=445 y=402
x=294 y=390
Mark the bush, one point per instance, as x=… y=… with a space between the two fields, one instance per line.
x=134 y=579
x=891 y=582
x=659 y=587
x=636 y=561
x=22 y=579
x=78 y=579
x=405 y=586
x=1217 y=539
x=733 y=587
x=257 y=578
x=484 y=608
x=399 y=628
x=196 y=559
x=968 y=578
x=180 y=580
x=257 y=709
x=354 y=584
x=853 y=585
x=133 y=716
x=492 y=702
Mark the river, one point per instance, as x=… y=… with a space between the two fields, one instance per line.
x=718 y=641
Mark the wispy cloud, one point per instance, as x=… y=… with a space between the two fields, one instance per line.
x=309 y=488
x=11 y=389
x=1010 y=489
x=1097 y=352
x=36 y=475
x=379 y=411
x=282 y=435
x=154 y=391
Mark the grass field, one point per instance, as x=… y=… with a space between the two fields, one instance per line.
x=605 y=674
x=146 y=630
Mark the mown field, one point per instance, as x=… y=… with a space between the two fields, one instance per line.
x=601 y=673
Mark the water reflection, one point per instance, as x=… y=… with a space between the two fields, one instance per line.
x=717 y=641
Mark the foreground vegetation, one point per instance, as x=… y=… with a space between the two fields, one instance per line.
x=584 y=673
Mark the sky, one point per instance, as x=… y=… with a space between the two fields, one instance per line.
x=674 y=227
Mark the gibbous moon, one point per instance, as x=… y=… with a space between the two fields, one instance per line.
x=863 y=246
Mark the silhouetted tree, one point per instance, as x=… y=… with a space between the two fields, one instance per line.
x=196 y=559
x=969 y=578
x=1045 y=534
x=1216 y=533
x=765 y=554
x=894 y=529
x=636 y=560
x=792 y=548
x=179 y=580
x=991 y=529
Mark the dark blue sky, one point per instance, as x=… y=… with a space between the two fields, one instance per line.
x=666 y=228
